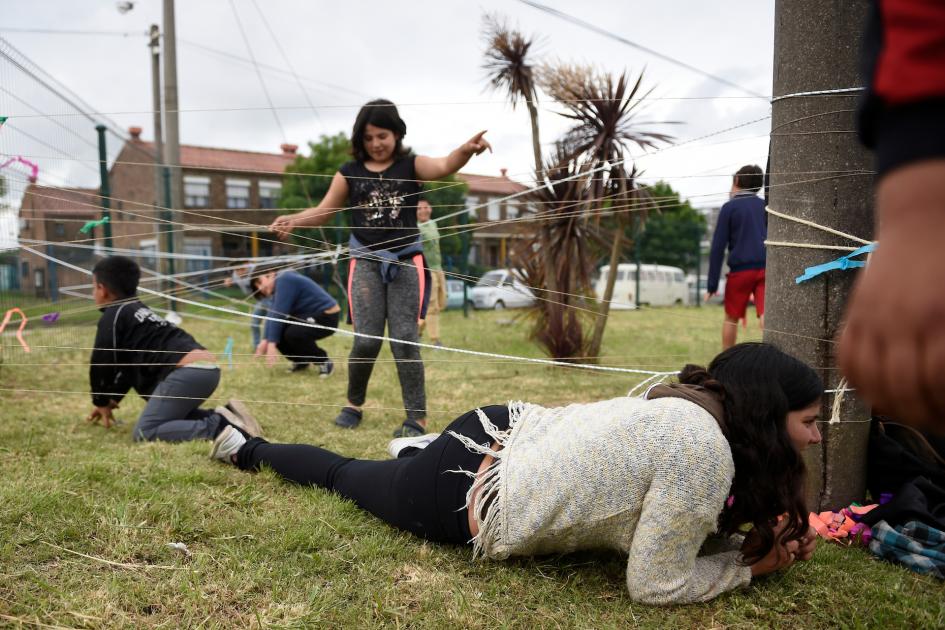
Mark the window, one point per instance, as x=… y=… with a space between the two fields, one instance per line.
x=269 y=192
x=511 y=209
x=148 y=249
x=196 y=191
x=678 y=275
x=60 y=229
x=237 y=193
x=199 y=248
x=25 y=269
x=621 y=275
x=492 y=211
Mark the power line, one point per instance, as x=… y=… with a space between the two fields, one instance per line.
x=623 y=40
x=55 y=31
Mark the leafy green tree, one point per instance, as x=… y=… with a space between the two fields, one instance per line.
x=671 y=236
x=307 y=179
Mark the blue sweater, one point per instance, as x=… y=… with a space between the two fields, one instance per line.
x=295 y=296
x=742 y=228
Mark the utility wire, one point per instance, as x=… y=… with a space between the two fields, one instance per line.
x=623 y=40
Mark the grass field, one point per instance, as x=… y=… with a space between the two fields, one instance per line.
x=86 y=516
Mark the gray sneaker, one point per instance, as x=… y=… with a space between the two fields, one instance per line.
x=249 y=424
x=326 y=368
x=227 y=445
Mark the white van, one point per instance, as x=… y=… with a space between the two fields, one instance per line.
x=660 y=285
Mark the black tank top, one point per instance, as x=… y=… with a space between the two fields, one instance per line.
x=384 y=205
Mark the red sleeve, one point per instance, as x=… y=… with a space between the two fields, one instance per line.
x=902 y=116
x=911 y=61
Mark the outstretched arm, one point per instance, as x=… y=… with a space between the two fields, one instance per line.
x=429 y=168
x=319 y=215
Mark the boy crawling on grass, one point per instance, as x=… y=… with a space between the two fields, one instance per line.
x=135 y=348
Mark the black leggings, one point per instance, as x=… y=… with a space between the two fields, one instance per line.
x=418 y=492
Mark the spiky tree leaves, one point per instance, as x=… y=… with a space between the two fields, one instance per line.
x=508 y=69
x=604 y=109
x=562 y=281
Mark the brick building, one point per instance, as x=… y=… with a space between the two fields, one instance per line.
x=228 y=194
x=56 y=215
x=490 y=243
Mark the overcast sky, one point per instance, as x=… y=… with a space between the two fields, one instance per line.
x=425 y=55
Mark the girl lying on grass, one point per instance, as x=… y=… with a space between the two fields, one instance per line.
x=653 y=477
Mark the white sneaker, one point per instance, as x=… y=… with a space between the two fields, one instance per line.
x=420 y=441
x=227 y=444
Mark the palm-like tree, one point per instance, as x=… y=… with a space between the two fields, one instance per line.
x=508 y=69
x=562 y=281
x=604 y=109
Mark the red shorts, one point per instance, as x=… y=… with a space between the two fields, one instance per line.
x=739 y=287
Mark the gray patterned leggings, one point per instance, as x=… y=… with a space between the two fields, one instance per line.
x=398 y=303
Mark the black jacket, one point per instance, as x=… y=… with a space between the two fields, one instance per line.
x=124 y=355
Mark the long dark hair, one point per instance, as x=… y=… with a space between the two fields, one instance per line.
x=380 y=113
x=759 y=385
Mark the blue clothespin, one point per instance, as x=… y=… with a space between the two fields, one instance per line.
x=842 y=263
x=228 y=351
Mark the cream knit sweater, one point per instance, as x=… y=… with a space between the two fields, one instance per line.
x=647 y=477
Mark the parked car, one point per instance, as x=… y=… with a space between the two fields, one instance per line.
x=660 y=285
x=499 y=289
x=697 y=297
x=454 y=294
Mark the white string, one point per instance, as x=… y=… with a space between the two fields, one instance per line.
x=838 y=400
x=818 y=226
x=493 y=355
x=841 y=248
x=817 y=93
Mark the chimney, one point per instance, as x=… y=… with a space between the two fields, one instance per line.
x=135 y=133
x=289 y=149
x=503 y=171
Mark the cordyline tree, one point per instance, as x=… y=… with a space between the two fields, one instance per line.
x=557 y=259
x=509 y=70
x=561 y=282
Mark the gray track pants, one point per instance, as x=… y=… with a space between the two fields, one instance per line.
x=173 y=412
x=398 y=302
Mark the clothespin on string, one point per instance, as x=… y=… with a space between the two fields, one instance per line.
x=19 y=332
x=91 y=225
x=228 y=351
x=842 y=263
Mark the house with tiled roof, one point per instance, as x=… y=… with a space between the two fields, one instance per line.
x=227 y=195
x=51 y=215
x=491 y=241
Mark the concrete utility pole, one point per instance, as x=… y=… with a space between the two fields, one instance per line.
x=172 y=129
x=816 y=47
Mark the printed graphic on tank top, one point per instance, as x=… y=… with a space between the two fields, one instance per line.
x=384 y=204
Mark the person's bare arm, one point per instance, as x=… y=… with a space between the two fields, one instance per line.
x=319 y=215
x=892 y=348
x=430 y=168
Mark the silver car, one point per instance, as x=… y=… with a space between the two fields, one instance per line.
x=499 y=289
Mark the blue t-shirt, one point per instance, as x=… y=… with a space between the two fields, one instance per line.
x=742 y=228
x=295 y=297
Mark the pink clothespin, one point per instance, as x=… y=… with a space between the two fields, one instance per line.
x=19 y=333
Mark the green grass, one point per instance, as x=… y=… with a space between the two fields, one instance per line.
x=263 y=552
